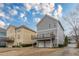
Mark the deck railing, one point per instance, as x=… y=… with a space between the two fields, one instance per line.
x=43 y=36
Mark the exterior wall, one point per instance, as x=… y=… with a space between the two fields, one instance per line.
x=60 y=35
x=46 y=44
x=10 y=34
x=23 y=36
x=47 y=25
x=20 y=35
x=2 y=34
x=44 y=28
x=2 y=37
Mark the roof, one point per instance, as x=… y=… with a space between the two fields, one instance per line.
x=53 y=18
x=11 y=26
x=22 y=26
x=2 y=30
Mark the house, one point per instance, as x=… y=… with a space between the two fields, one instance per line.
x=50 y=32
x=20 y=35
x=2 y=37
x=11 y=35
x=72 y=39
x=23 y=35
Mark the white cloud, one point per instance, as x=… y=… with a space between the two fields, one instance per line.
x=2 y=14
x=37 y=20
x=2 y=24
x=37 y=6
x=58 y=12
x=59 y=9
x=16 y=7
x=55 y=14
x=25 y=19
x=48 y=8
x=28 y=6
x=22 y=15
x=13 y=12
x=1 y=5
x=8 y=24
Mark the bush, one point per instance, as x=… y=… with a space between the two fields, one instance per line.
x=16 y=46
x=60 y=45
x=3 y=46
x=26 y=45
x=66 y=41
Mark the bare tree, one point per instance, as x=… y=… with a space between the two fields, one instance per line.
x=73 y=20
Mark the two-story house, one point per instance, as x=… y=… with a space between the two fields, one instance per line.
x=20 y=35
x=50 y=32
x=2 y=37
x=24 y=35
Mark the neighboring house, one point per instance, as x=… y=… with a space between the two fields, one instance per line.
x=2 y=32
x=24 y=35
x=50 y=32
x=72 y=39
x=10 y=34
x=2 y=37
x=20 y=35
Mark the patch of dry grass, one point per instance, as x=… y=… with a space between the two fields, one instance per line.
x=29 y=51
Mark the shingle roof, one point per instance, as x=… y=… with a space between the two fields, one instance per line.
x=22 y=26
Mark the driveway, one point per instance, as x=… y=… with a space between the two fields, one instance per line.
x=70 y=50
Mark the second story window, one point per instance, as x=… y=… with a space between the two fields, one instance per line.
x=49 y=25
x=18 y=36
x=54 y=25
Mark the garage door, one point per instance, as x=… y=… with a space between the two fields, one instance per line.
x=41 y=44
x=47 y=44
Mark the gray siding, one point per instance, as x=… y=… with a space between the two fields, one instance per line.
x=44 y=28
x=60 y=34
x=45 y=25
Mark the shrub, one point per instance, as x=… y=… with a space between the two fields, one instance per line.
x=66 y=41
x=2 y=46
x=16 y=46
x=26 y=45
x=60 y=45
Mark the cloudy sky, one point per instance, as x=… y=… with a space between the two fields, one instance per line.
x=29 y=14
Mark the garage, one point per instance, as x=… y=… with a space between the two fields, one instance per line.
x=44 y=44
x=47 y=44
x=40 y=43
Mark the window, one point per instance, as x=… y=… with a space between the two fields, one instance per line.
x=18 y=36
x=54 y=25
x=49 y=25
x=18 y=30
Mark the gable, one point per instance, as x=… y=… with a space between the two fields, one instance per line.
x=47 y=16
x=49 y=20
